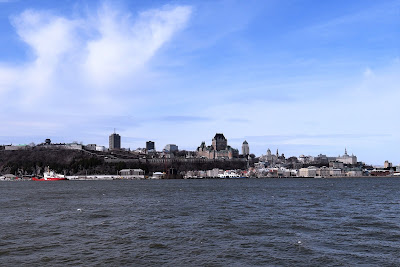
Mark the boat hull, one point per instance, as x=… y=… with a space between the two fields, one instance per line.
x=49 y=179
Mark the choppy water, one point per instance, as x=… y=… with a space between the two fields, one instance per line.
x=289 y=222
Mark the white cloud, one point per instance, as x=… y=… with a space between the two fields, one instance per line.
x=124 y=47
x=7 y=77
x=50 y=39
x=85 y=59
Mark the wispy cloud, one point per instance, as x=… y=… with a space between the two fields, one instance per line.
x=382 y=11
x=89 y=59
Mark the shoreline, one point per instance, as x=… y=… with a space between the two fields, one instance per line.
x=114 y=178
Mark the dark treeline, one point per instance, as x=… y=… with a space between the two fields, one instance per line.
x=75 y=162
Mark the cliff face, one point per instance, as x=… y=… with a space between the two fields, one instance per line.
x=78 y=162
x=35 y=160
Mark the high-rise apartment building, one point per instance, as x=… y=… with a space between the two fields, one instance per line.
x=150 y=146
x=115 y=141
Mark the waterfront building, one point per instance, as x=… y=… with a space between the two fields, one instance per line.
x=245 y=148
x=132 y=173
x=150 y=145
x=323 y=172
x=283 y=172
x=115 y=141
x=355 y=173
x=308 y=172
x=335 y=172
x=303 y=172
x=214 y=172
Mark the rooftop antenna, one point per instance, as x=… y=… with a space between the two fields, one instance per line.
x=114 y=130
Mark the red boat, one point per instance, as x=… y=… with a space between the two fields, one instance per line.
x=50 y=176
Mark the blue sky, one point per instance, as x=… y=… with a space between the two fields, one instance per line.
x=304 y=77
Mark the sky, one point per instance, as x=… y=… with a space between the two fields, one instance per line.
x=304 y=77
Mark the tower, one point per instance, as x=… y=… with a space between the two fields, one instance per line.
x=269 y=155
x=245 y=148
x=114 y=141
x=219 y=142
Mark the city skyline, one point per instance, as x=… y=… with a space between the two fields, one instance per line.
x=303 y=77
x=218 y=149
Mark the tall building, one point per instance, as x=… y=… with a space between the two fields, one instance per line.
x=171 y=148
x=387 y=164
x=114 y=141
x=245 y=148
x=219 y=142
x=150 y=146
x=268 y=157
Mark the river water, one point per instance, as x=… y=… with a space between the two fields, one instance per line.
x=238 y=222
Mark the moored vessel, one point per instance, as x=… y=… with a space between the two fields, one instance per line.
x=50 y=176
